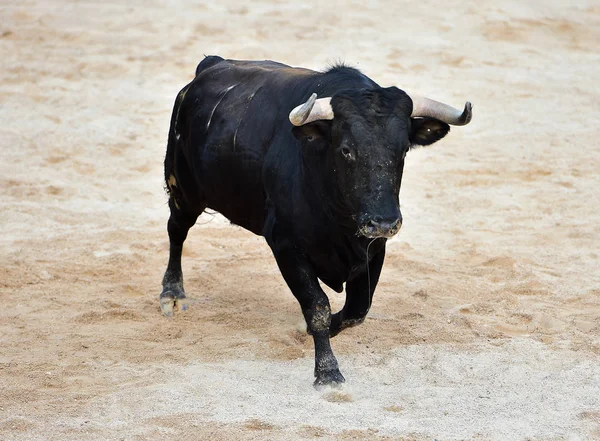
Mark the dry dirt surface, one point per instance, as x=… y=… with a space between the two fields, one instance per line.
x=486 y=322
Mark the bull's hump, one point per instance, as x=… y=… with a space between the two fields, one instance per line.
x=261 y=67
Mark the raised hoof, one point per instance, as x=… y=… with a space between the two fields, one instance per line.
x=336 y=325
x=172 y=301
x=329 y=378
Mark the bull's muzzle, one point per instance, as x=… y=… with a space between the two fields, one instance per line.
x=379 y=227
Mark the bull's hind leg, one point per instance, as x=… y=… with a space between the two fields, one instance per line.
x=173 y=296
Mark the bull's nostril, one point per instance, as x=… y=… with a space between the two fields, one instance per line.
x=395 y=225
x=380 y=226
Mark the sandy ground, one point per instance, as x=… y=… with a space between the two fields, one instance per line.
x=486 y=322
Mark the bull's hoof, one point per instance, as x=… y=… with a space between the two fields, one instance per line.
x=333 y=378
x=338 y=325
x=172 y=301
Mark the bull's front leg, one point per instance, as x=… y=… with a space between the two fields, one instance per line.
x=301 y=278
x=359 y=295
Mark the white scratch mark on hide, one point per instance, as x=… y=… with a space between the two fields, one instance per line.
x=217 y=105
x=242 y=118
x=235 y=135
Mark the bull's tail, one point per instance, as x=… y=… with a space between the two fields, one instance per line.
x=174 y=155
x=170 y=157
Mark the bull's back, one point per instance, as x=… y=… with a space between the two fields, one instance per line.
x=228 y=118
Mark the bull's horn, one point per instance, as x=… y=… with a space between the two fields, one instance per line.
x=312 y=110
x=424 y=107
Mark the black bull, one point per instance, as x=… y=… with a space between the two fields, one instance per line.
x=324 y=193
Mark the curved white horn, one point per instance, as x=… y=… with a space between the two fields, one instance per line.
x=312 y=110
x=426 y=107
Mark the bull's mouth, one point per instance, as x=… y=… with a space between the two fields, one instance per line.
x=375 y=232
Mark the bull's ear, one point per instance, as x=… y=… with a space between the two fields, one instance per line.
x=425 y=131
x=314 y=135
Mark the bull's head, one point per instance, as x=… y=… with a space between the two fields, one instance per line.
x=366 y=134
